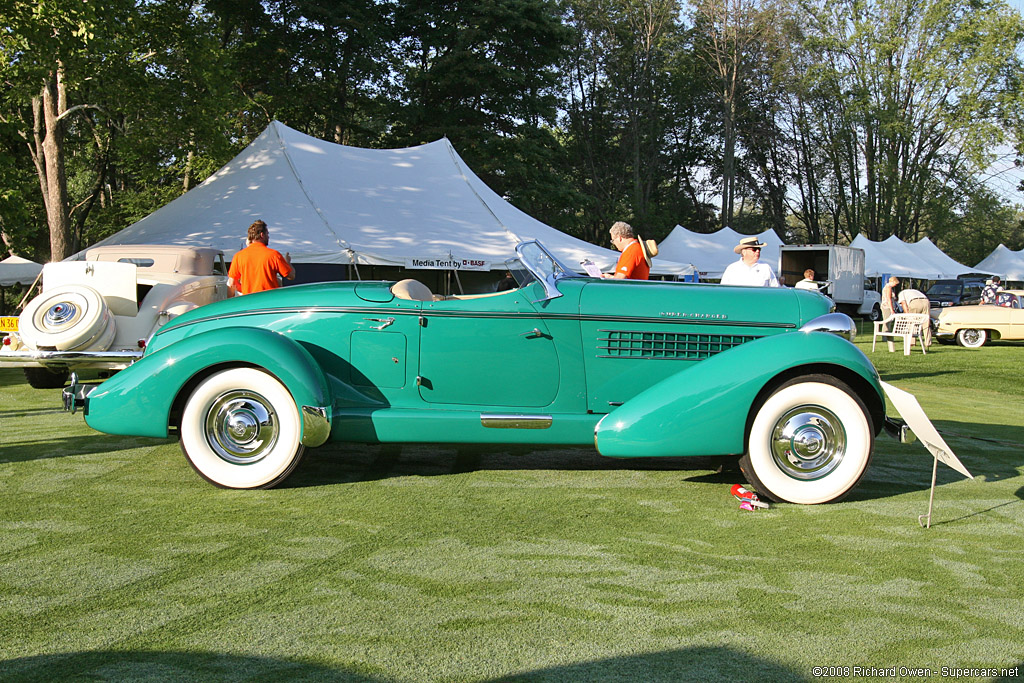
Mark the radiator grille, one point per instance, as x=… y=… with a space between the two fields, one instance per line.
x=666 y=345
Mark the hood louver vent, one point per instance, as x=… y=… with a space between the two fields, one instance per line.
x=666 y=345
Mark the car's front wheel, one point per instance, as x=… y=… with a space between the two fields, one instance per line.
x=971 y=338
x=876 y=313
x=240 y=429
x=810 y=442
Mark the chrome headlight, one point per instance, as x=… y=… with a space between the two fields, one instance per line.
x=834 y=323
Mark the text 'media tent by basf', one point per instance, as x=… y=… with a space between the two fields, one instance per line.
x=417 y=207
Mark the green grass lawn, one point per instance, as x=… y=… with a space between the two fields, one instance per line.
x=420 y=563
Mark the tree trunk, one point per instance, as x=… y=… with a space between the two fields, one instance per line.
x=50 y=163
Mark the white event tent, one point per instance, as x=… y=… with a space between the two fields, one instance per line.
x=950 y=268
x=15 y=270
x=921 y=259
x=712 y=253
x=1004 y=262
x=418 y=208
x=893 y=256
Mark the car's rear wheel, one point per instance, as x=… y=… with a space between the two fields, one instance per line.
x=971 y=338
x=45 y=378
x=240 y=429
x=810 y=442
x=68 y=318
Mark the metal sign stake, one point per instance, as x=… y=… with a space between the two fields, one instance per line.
x=931 y=497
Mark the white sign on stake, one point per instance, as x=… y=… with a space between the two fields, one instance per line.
x=910 y=410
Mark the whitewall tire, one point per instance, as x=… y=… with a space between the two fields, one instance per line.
x=68 y=318
x=241 y=429
x=810 y=442
x=971 y=338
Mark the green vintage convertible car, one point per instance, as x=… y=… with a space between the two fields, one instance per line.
x=633 y=368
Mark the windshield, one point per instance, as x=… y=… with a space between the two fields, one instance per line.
x=519 y=272
x=944 y=289
x=543 y=265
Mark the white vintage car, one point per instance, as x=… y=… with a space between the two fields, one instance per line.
x=974 y=326
x=95 y=316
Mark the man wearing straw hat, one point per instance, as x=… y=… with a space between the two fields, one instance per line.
x=635 y=261
x=748 y=271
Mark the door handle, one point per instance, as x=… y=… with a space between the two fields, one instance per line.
x=532 y=334
x=384 y=322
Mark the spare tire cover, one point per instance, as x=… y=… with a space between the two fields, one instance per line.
x=67 y=318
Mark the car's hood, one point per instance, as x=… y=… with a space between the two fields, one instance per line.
x=741 y=306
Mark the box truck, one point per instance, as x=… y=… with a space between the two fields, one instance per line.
x=839 y=272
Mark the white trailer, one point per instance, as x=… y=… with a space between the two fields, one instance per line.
x=839 y=271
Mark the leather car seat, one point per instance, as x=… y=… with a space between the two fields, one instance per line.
x=414 y=290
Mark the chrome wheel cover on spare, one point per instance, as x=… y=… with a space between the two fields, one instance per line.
x=68 y=318
x=808 y=442
x=242 y=427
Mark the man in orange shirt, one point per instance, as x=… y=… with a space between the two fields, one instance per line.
x=633 y=262
x=255 y=268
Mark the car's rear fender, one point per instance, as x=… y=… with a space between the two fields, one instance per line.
x=703 y=409
x=141 y=399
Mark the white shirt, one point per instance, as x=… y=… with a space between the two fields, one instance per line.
x=909 y=295
x=807 y=283
x=757 y=275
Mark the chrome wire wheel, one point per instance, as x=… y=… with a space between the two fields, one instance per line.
x=242 y=427
x=808 y=442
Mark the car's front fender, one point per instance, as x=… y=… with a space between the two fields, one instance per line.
x=138 y=400
x=703 y=409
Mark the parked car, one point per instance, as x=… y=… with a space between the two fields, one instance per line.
x=973 y=326
x=945 y=293
x=95 y=316
x=636 y=368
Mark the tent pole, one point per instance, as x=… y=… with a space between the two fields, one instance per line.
x=459 y=282
x=33 y=286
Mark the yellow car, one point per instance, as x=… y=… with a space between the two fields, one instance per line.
x=973 y=326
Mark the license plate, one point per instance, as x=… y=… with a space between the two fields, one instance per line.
x=8 y=324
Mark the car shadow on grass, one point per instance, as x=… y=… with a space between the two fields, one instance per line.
x=44 y=449
x=896 y=469
x=340 y=463
x=697 y=663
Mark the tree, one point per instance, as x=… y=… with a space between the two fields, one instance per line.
x=482 y=73
x=48 y=51
x=909 y=96
x=618 y=115
x=731 y=34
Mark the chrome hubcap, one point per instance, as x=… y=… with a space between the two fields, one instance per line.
x=971 y=337
x=241 y=427
x=808 y=442
x=60 y=314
